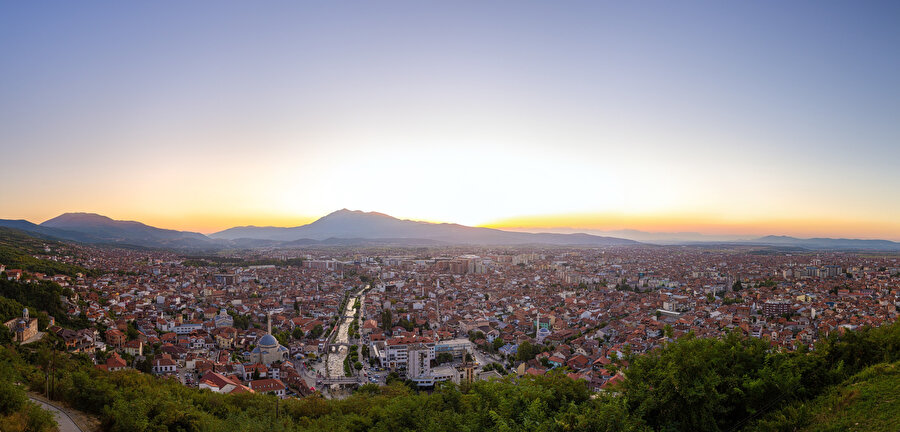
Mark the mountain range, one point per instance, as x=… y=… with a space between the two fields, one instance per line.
x=341 y=228
x=350 y=224
x=356 y=228
x=94 y=228
x=828 y=243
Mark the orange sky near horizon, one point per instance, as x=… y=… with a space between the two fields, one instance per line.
x=208 y=223
x=887 y=230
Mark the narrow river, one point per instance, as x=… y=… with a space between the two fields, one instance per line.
x=335 y=361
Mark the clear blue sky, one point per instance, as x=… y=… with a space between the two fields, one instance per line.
x=776 y=117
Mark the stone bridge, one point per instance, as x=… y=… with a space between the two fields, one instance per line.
x=332 y=347
x=341 y=380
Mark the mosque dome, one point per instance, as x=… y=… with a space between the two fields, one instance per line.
x=267 y=341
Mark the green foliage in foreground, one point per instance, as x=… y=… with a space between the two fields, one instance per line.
x=729 y=384
x=869 y=401
x=17 y=413
x=129 y=401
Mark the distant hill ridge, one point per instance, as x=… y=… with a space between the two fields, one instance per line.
x=357 y=228
x=372 y=225
x=343 y=227
x=96 y=228
x=828 y=243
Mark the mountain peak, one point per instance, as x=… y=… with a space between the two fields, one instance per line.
x=93 y=227
x=341 y=212
x=344 y=213
x=78 y=218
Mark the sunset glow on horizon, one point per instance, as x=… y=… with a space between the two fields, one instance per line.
x=804 y=228
x=709 y=117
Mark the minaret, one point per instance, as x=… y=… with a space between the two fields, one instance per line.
x=269 y=321
x=437 y=299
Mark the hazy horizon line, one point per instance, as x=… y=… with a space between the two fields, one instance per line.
x=693 y=231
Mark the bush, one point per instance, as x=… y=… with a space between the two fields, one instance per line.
x=12 y=398
x=39 y=419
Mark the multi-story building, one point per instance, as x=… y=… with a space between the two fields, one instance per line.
x=776 y=307
x=115 y=338
x=418 y=363
x=457 y=347
x=396 y=351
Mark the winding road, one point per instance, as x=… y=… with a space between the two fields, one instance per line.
x=66 y=424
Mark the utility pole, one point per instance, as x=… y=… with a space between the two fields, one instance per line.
x=52 y=376
x=49 y=368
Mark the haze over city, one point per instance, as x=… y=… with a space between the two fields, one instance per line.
x=723 y=119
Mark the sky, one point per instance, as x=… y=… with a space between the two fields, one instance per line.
x=717 y=117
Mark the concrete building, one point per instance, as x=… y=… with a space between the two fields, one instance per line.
x=418 y=368
x=458 y=347
x=776 y=308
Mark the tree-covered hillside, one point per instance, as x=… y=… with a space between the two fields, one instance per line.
x=17 y=250
x=42 y=298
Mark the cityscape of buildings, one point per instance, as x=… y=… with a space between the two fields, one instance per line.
x=331 y=319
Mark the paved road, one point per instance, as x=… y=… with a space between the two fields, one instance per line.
x=485 y=359
x=65 y=423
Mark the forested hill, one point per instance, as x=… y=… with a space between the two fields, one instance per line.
x=730 y=384
x=44 y=298
x=17 y=250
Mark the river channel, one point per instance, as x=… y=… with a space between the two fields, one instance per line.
x=335 y=361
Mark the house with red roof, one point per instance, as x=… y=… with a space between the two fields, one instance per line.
x=218 y=383
x=268 y=385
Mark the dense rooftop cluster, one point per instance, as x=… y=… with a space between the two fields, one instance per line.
x=490 y=310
